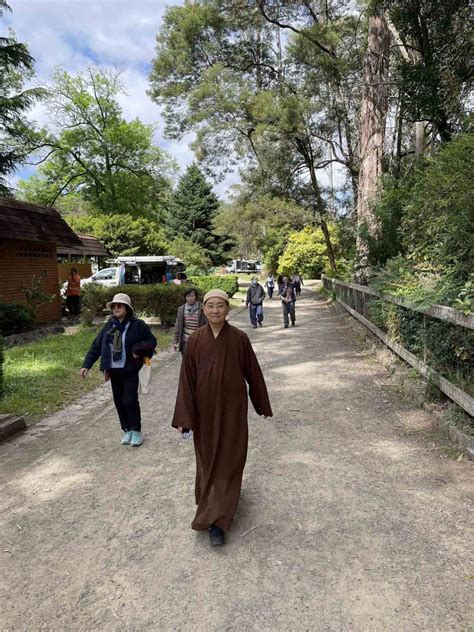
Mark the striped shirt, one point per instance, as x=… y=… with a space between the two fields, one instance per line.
x=191 y=323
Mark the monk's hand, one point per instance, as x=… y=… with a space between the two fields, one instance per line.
x=135 y=355
x=180 y=429
x=83 y=372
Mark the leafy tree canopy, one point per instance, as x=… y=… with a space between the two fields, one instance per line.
x=123 y=235
x=94 y=152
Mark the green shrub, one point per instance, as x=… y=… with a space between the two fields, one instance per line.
x=444 y=346
x=2 y=357
x=155 y=300
x=228 y=283
x=15 y=318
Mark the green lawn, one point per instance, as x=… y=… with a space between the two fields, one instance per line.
x=43 y=376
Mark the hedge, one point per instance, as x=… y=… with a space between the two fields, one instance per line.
x=15 y=318
x=151 y=300
x=228 y=283
x=2 y=358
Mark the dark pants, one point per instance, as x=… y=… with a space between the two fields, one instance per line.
x=125 y=392
x=288 y=311
x=73 y=305
x=256 y=314
x=270 y=291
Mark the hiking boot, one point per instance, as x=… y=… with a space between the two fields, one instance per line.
x=136 y=438
x=293 y=324
x=286 y=326
x=126 y=437
x=216 y=536
x=260 y=324
x=254 y=326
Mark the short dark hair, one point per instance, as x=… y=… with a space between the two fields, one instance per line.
x=191 y=290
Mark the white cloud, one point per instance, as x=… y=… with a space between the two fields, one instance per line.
x=74 y=33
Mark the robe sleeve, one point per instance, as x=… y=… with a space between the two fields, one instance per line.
x=257 y=387
x=186 y=405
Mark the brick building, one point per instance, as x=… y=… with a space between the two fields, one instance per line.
x=29 y=238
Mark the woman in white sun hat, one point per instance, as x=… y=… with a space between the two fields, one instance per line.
x=121 y=345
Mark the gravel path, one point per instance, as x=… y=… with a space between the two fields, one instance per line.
x=349 y=518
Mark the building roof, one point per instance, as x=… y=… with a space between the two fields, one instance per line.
x=90 y=246
x=31 y=222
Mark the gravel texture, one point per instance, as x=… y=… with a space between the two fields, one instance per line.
x=350 y=518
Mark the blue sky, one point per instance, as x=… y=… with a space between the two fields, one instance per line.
x=74 y=33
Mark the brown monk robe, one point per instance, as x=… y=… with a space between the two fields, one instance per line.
x=212 y=400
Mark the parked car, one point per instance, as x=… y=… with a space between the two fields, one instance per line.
x=107 y=276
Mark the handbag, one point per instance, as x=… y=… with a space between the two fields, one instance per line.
x=144 y=377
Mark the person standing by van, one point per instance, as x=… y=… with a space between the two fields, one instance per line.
x=73 y=293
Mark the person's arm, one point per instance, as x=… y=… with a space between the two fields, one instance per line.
x=94 y=352
x=257 y=388
x=185 y=407
x=177 y=327
x=147 y=344
x=248 y=297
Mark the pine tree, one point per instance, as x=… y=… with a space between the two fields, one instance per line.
x=193 y=207
x=16 y=65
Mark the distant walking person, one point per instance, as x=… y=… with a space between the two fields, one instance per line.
x=190 y=317
x=255 y=298
x=73 y=293
x=297 y=281
x=121 y=345
x=270 y=285
x=288 y=300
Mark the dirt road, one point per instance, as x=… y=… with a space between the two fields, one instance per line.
x=349 y=519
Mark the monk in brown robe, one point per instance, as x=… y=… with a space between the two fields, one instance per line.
x=212 y=401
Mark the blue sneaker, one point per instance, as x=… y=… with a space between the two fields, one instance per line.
x=136 y=438
x=126 y=437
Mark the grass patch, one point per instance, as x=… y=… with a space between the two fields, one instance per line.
x=43 y=376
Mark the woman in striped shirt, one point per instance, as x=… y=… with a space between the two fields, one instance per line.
x=190 y=317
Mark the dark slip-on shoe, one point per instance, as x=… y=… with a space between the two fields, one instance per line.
x=216 y=536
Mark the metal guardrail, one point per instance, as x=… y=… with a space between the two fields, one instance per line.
x=354 y=299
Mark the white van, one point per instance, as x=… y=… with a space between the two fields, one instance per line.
x=136 y=270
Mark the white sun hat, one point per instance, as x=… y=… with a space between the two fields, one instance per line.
x=120 y=298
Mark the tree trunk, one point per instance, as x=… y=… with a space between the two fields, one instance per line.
x=322 y=222
x=372 y=131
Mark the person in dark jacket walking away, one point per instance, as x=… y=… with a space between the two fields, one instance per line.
x=121 y=345
x=190 y=317
x=255 y=298
x=288 y=300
